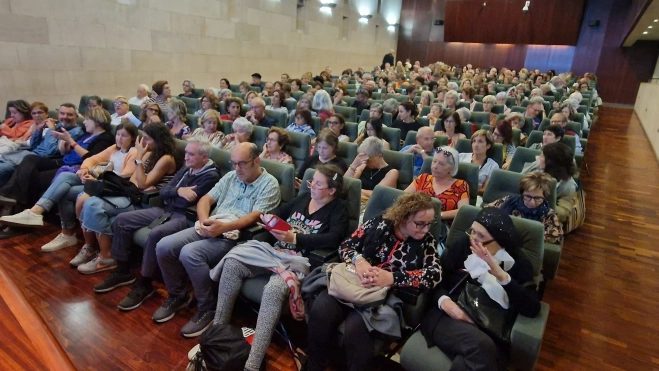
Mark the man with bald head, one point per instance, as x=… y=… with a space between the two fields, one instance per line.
x=256 y=113
x=423 y=148
x=241 y=196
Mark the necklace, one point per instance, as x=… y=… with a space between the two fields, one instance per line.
x=374 y=174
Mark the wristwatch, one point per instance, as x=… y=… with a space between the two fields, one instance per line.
x=139 y=162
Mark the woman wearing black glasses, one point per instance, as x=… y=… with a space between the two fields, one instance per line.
x=531 y=203
x=395 y=249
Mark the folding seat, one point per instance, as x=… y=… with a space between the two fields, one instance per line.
x=351 y=130
x=478 y=107
x=349 y=100
x=376 y=95
x=527 y=333
x=259 y=136
x=466 y=172
x=352 y=92
x=108 y=105
x=392 y=136
x=480 y=119
x=199 y=92
x=401 y=98
x=478 y=98
x=299 y=148
x=425 y=111
x=348 y=113
x=404 y=163
x=255 y=88
x=192 y=104
x=290 y=104
x=82 y=106
x=136 y=110
x=498 y=109
x=522 y=156
x=297 y=95
x=279 y=117
x=234 y=88
x=192 y=121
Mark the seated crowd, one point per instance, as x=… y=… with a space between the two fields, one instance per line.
x=436 y=120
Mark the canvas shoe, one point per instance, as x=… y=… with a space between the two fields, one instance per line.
x=25 y=218
x=60 y=242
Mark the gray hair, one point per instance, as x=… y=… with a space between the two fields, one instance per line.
x=242 y=123
x=213 y=90
x=556 y=81
x=489 y=99
x=535 y=100
x=178 y=107
x=426 y=93
x=192 y=86
x=367 y=75
x=321 y=101
x=536 y=91
x=576 y=96
x=464 y=113
x=146 y=88
x=378 y=107
x=502 y=95
x=390 y=105
x=371 y=146
x=205 y=145
x=453 y=159
x=224 y=91
x=451 y=93
x=422 y=129
x=452 y=85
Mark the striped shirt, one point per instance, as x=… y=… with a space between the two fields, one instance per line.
x=235 y=197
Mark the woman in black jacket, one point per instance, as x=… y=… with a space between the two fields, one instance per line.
x=447 y=325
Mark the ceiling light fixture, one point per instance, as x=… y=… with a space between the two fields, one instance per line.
x=649 y=26
x=656 y=20
x=327 y=8
x=392 y=27
x=645 y=32
x=364 y=18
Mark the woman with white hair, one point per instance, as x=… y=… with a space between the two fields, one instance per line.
x=143 y=93
x=369 y=167
x=209 y=130
x=322 y=103
x=451 y=100
x=188 y=90
x=426 y=99
x=452 y=85
x=501 y=99
x=176 y=116
x=488 y=104
x=224 y=94
x=441 y=184
x=242 y=131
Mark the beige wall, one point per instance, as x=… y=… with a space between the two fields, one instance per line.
x=647 y=110
x=58 y=50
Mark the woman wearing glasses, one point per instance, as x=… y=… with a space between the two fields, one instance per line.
x=318 y=220
x=395 y=249
x=531 y=203
x=242 y=131
x=122 y=113
x=337 y=124
x=274 y=146
x=491 y=239
x=370 y=167
x=452 y=128
x=208 y=101
x=441 y=184
x=503 y=133
x=150 y=115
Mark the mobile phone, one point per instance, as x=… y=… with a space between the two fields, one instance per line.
x=278 y=224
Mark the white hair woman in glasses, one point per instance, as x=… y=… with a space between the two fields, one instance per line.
x=318 y=220
x=441 y=184
x=370 y=167
x=122 y=113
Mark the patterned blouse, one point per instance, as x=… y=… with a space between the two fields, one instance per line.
x=553 y=226
x=185 y=130
x=414 y=263
x=282 y=157
x=214 y=138
x=458 y=191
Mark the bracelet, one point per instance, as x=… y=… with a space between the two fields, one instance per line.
x=74 y=145
x=355 y=258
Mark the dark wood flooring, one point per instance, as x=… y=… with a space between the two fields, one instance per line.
x=603 y=302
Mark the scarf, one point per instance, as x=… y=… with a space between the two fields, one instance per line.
x=516 y=203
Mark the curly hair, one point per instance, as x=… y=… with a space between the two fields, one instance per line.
x=282 y=136
x=213 y=100
x=165 y=144
x=407 y=205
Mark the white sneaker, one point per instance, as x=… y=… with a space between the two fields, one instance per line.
x=61 y=241
x=25 y=218
x=86 y=254
x=98 y=264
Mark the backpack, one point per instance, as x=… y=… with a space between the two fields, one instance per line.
x=221 y=347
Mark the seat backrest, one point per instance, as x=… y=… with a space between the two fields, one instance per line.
x=401 y=98
x=531 y=235
x=498 y=109
x=221 y=159
x=351 y=130
x=192 y=121
x=348 y=113
x=425 y=111
x=386 y=117
x=290 y=104
x=223 y=108
x=279 y=117
x=383 y=197
x=423 y=121
x=480 y=118
x=392 y=135
x=506 y=183
x=285 y=175
x=136 y=110
x=255 y=88
x=82 y=105
x=533 y=138
x=349 y=100
x=297 y=94
x=521 y=110
x=299 y=148
x=404 y=163
x=108 y=104
x=259 y=136
x=466 y=172
x=347 y=151
x=522 y=156
x=352 y=194
x=464 y=146
x=465 y=127
x=478 y=98
x=234 y=88
x=193 y=104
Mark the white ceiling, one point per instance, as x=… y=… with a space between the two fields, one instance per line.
x=647 y=20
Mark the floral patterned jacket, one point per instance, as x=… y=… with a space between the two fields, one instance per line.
x=414 y=263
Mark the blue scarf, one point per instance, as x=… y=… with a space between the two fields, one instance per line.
x=516 y=203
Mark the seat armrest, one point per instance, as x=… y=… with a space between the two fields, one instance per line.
x=409 y=295
x=526 y=338
x=191 y=213
x=321 y=256
x=151 y=197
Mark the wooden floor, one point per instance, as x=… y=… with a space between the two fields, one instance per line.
x=603 y=302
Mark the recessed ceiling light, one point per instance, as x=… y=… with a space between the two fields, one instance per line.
x=649 y=26
x=645 y=32
x=656 y=20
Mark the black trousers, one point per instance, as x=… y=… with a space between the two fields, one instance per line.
x=324 y=318
x=473 y=349
x=31 y=178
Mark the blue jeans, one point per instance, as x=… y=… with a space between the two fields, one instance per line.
x=63 y=191
x=188 y=252
x=97 y=215
x=6 y=171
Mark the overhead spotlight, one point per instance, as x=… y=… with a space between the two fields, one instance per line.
x=645 y=32
x=649 y=26
x=327 y=8
x=656 y=20
x=392 y=27
x=525 y=9
x=364 y=18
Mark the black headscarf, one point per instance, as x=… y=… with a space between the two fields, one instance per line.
x=500 y=226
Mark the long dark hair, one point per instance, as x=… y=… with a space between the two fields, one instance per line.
x=458 y=123
x=559 y=161
x=377 y=126
x=165 y=144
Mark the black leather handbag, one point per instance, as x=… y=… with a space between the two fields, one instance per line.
x=486 y=313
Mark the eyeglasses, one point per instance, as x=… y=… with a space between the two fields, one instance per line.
x=117 y=104
x=496 y=135
x=471 y=232
x=449 y=121
x=241 y=164
x=318 y=187
x=422 y=225
x=332 y=123
x=529 y=198
x=272 y=140
x=555 y=122
x=444 y=152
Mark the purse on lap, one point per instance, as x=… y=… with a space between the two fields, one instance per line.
x=110 y=184
x=344 y=284
x=486 y=313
